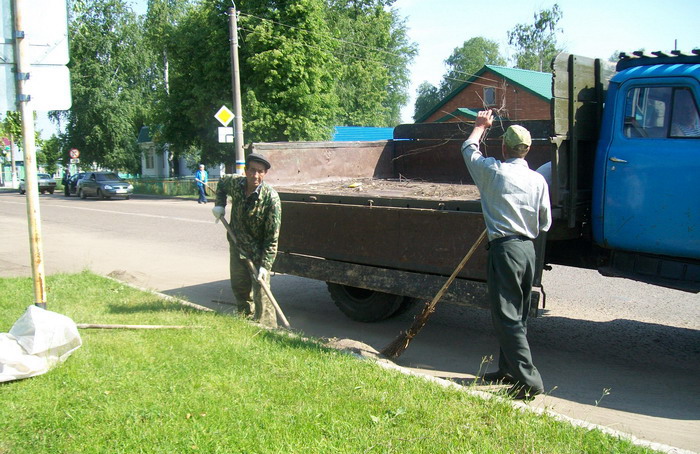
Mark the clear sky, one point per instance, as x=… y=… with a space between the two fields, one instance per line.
x=592 y=28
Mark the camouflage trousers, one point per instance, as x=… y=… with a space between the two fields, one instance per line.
x=251 y=299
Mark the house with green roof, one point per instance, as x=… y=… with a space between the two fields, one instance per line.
x=517 y=94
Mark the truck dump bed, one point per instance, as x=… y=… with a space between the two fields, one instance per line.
x=391 y=216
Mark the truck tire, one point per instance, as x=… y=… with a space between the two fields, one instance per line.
x=407 y=304
x=364 y=305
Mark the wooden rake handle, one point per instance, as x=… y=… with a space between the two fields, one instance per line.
x=457 y=270
x=254 y=276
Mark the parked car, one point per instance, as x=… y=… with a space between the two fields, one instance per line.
x=73 y=183
x=46 y=184
x=104 y=185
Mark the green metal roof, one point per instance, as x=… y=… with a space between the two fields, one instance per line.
x=534 y=81
x=537 y=83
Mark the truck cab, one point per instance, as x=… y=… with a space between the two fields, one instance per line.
x=644 y=219
x=646 y=192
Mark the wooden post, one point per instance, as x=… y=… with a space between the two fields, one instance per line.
x=30 y=173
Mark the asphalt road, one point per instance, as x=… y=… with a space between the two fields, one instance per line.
x=639 y=342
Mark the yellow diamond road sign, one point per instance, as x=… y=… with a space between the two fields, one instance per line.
x=224 y=115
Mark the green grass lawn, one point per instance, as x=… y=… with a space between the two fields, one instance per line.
x=226 y=386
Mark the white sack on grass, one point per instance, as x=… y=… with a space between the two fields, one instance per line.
x=39 y=340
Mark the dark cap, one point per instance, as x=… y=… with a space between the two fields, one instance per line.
x=259 y=158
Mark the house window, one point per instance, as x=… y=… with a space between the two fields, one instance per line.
x=489 y=96
x=150 y=159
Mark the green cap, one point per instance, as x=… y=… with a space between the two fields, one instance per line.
x=517 y=135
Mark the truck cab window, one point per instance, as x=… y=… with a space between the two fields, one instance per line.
x=647 y=112
x=685 y=121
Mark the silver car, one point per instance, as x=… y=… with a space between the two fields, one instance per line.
x=46 y=184
x=104 y=185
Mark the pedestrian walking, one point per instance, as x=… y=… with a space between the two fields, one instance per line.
x=201 y=177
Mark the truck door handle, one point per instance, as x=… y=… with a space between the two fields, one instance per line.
x=614 y=159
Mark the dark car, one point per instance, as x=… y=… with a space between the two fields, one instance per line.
x=73 y=184
x=104 y=185
x=45 y=181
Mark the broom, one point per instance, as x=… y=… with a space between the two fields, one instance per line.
x=398 y=345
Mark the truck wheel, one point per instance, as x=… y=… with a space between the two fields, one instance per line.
x=407 y=304
x=364 y=305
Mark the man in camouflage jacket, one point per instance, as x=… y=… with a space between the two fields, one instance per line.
x=256 y=215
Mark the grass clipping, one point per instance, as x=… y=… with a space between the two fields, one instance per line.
x=231 y=386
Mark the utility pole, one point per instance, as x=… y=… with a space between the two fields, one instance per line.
x=30 y=176
x=236 y=88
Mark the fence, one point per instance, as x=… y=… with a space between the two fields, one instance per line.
x=169 y=186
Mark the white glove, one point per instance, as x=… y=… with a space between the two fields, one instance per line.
x=218 y=212
x=262 y=274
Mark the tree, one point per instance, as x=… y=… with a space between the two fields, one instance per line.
x=11 y=126
x=112 y=80
x=462 y=64
x=162 y=17
x=51 y=152
x=536 y=44
x=467 y=60
x=372 y=45
x=290 y=75
x=428 y=95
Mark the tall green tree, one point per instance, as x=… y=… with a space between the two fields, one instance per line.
x=112 y=80
x=372 y=45
x=289 y=75
x=467 y=60
x=536 y=44
x=305 y=66
x=461 y=65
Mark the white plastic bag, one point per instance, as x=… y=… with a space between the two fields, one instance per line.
x=38 y=341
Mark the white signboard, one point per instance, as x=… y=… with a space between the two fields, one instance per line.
x=46 y=23
x=225 y=135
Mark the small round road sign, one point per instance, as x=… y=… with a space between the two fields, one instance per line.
x=74 y=153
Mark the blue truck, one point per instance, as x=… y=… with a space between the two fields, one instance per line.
x=384 y=223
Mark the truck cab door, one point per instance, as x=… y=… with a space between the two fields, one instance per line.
x=651 y=200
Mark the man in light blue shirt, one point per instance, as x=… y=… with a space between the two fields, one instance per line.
x=515 y=203
x=201 y=177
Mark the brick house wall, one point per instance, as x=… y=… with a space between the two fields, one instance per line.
x=518 y=103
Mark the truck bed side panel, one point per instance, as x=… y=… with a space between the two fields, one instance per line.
x=417 y=240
